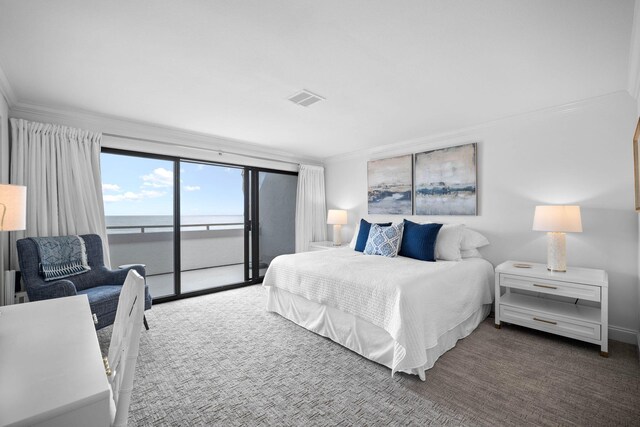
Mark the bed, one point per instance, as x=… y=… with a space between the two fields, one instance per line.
x=399 y=312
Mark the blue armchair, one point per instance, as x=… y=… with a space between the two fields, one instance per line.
x=101 y=285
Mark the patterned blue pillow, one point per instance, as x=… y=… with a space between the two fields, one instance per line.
x=363 y=233
x=384 y=241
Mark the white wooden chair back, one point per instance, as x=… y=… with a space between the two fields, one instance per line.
x=124 y=346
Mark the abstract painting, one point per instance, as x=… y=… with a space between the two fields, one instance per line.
x=445 y=181
x=389 y=185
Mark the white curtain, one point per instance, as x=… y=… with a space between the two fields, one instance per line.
x=60 y=166
x=311 y=209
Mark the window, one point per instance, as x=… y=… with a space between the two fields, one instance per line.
x=218 y=225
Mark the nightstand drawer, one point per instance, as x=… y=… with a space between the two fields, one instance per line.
x=572 y=328
x=553 y=287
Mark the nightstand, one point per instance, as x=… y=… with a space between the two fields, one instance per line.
x=324 y=246
x=538 y=307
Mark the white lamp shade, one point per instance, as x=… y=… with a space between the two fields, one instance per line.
x=13 y=207
x=564 y=219
x=337 y=216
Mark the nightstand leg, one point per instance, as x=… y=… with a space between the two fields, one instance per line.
x=604 y=353
x=497 y=325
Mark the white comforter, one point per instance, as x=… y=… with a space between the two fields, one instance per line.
x=414 y=301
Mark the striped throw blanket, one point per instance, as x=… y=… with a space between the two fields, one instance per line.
x=61 y=256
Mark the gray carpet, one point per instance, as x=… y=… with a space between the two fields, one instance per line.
x=220 y=359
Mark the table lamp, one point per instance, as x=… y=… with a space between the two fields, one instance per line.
x=337 y=218
x=13 y=207
x=556 y=221
x=13 y=213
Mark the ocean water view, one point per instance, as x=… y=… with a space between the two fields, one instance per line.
x=121 y=224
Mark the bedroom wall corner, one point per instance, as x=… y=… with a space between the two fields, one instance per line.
x=572 y=154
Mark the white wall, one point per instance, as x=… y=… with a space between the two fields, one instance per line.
x=576 y=154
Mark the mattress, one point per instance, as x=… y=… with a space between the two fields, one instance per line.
x=400 y=312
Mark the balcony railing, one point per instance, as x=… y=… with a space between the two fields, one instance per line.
x=166 y=228
x=203 y=245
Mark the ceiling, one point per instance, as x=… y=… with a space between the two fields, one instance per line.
x=390 y=71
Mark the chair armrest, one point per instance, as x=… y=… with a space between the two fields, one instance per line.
x=48 y=290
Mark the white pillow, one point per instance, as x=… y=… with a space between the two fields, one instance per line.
x=471 y=239
x=354 y=239
x=470 y=253
x=448 y=242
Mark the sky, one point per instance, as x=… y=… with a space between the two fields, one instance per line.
x=143 y=186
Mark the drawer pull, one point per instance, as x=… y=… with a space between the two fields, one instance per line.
x=545 y=286
x=545 y=321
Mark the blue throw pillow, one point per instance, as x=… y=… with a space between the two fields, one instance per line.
x=384 y=241
x=363 y=234
x=419 y=241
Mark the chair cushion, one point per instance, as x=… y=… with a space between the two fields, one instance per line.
x=102 y=299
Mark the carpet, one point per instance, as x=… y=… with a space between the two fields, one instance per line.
x=221 y=359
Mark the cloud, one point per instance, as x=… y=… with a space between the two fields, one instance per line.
x=131 y=196
x=191 y=188
x=110 y=187
x=159 y=178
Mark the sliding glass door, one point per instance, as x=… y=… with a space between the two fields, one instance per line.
x=276 y=216
x=212 y=226
x=139 y=205
x=218 y=225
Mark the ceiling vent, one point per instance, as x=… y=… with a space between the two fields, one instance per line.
x=305 y=98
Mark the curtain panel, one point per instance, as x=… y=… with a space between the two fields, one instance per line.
x=311 y=209
x=60 y=166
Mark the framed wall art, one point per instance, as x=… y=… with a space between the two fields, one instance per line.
x=389 y=187
x=446 y=181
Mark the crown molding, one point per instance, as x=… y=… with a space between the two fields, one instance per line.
x=470 y=132
x=633 y=84
x=127 y=128
x=6 y=90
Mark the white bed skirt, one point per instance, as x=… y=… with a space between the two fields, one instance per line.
x=361 y=336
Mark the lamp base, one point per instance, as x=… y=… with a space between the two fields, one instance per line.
x=557 y=252
x=337 y=238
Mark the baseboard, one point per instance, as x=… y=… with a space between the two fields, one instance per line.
x=630 y=336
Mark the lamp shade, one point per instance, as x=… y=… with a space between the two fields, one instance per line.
x=13 y=207
x=557 y=219
x=337 y=217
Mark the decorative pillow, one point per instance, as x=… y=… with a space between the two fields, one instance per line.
x=363 y=234
x=448 y=242
x=419 y=241
x=471 y=239
x=470 y=253
x=354 y=239
x=384 y=241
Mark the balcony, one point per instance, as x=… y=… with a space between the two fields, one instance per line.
x=212 y=255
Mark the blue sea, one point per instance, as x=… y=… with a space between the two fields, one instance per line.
x=117 y=224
